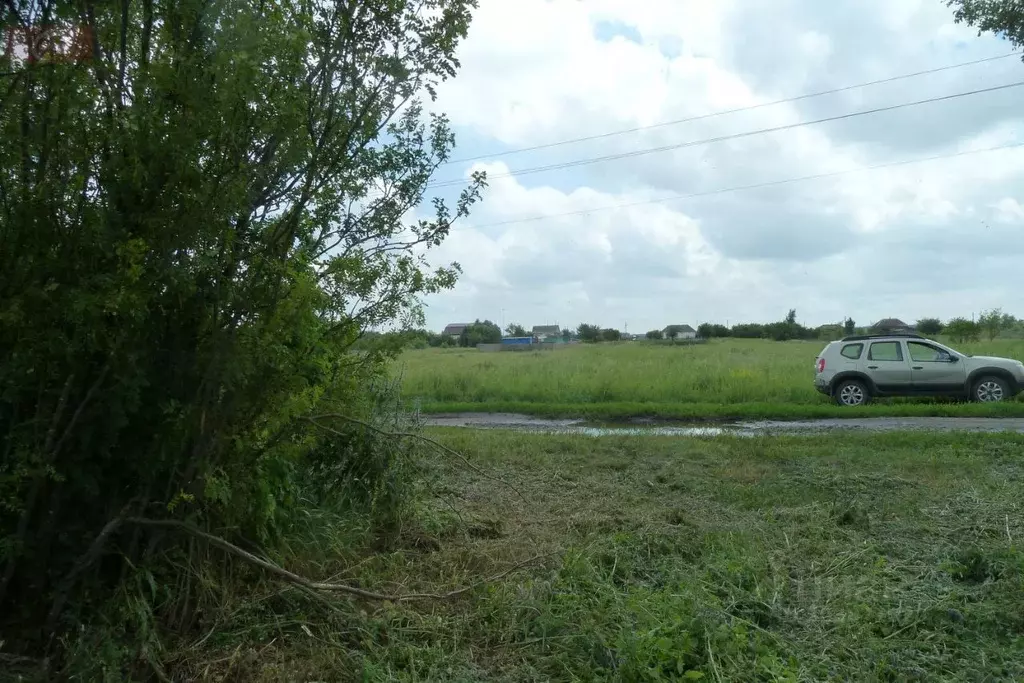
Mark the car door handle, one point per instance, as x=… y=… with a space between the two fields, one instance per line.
x=872 y=367
x=918 y=367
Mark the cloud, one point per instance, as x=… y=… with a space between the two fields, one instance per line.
x=940 y=237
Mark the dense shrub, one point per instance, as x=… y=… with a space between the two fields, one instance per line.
x=196 y=224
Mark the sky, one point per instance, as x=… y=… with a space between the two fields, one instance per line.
x=605 y=243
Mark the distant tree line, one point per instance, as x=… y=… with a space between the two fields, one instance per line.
x=586 y=332
x=990 y=324
x=479 y=332
x=784 y=330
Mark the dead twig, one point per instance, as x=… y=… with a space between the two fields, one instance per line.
x=292 y=577
x=711 y=658
x=409 y=435
x=18 y=660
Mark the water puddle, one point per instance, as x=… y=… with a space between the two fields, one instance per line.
x=526 y=423
x=657 y=431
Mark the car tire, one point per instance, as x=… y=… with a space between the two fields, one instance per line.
x=990 y=389
x=851 y=393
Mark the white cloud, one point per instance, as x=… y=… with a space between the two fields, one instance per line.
x=936 y=238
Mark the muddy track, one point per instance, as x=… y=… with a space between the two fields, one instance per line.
x=868 y=424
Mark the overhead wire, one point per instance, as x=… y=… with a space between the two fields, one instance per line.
x=796 y=98
x=732 y=136
x=752 y=186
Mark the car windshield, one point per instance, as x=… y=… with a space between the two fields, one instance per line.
x=953 y=351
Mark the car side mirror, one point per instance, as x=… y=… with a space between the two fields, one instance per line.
x=953 y=359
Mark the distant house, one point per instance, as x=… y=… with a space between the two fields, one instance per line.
x=542 y=332
x=891 y=326
x=831 y=332
x=454 y=330
x=679 y=332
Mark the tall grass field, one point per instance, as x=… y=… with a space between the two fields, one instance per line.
x=720 y=379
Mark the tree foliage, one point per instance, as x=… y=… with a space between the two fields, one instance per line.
x=655 y=335
x=992 y=322
x=480 y=332
x=196 y=224
x=610 y=335
x=748 y=331
x=788 y=329
x=849 y=326
x=1002 y=17
x=962 y=329
x=516 y=330
x=588 y=333
x=929 y=326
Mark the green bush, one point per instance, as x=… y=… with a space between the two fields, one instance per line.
x=192 y=238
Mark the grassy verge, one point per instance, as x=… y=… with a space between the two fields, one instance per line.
x=724 y=379
x=714 y=412
x=835 y=557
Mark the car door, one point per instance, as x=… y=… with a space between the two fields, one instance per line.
x=888 y=367
x=934 y=370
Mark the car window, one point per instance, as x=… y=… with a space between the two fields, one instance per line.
x=889 y=351
x=852 y=351
x=926 y=353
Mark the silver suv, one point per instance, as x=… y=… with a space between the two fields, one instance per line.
x=856 y=369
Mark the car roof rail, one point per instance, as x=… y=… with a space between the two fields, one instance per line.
x=898 y=335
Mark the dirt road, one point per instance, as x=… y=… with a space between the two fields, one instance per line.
x=873 y=424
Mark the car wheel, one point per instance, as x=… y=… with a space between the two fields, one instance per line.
x=990 y=390
x=852 y=393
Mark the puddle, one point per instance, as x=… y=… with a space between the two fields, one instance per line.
x=527 y=423
x=656 y=431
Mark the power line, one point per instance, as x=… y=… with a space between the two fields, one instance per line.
x=724 y=112
x=723 y=138
x=754 y=186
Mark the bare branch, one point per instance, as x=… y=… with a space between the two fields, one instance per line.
x=81 y=407
x=292 y=577
x=84 y=562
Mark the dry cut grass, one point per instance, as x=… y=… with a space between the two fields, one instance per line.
x=886 y=557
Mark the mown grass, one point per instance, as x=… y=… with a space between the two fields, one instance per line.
x=886 y=557
x=723 y=379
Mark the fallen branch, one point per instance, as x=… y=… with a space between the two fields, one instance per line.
x=91 y=555
x=292 y=577
x=409 y=435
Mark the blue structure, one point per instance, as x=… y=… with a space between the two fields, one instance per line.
x=517 y=340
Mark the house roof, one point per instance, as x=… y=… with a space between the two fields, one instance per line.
x=679 y=329
x=454 y=328
x=890 y=322
x=547 y=329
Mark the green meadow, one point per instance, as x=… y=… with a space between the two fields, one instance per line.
x=720 y=379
